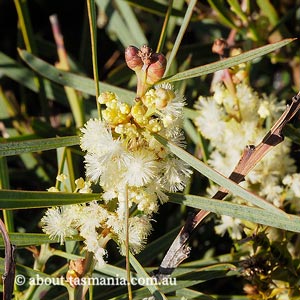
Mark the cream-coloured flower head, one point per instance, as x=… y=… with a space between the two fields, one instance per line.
x=97 y=139
x=233 y=224
x=210 y=120
x=142 y=167
x=175 y=174
x=139 y=229
x=57 y=223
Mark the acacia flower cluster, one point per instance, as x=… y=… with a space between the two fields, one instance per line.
x=132 y=168
x=230 y=121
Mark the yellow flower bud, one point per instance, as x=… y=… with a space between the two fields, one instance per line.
x=154 y=125
x=138 y=112
x=106 y=97
x=116 y=113
x=164 y=96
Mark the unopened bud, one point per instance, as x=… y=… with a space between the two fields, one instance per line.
x=164 y=96
x=106 y=97
x=220 y=47
x=132 y=58
x=157 y=68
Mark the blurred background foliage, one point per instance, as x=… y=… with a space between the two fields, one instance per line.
x=28 y=114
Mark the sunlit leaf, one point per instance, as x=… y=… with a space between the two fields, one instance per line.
x=11 y=199
x=228 y=62
x=253 y=214
x=16 y=148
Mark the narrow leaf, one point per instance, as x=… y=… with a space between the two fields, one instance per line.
x=31 y=273
x=78 y=82
x=29 y=239
x=253 y=214
x=11 y=199
x=187 y=277
x=143 y=274
x=26 y=77
x=179 y=37
x=16 y=148
x=223 y=13
x=268 y=10
x=228 y=62
x=132 y=22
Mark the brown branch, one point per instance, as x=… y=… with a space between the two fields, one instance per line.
x=9 y=275
x=59 y=41
x=179 y=250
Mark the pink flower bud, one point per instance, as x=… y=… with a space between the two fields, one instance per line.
x=157 y=68
x=132 y=58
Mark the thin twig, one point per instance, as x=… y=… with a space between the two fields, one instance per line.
x=59 y=41
x=9 y=275
x=92 y=23
x=74 y=99
x=127 y=244
x=164 y=27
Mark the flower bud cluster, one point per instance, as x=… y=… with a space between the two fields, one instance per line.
x=148 y=66
x=116 y=112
